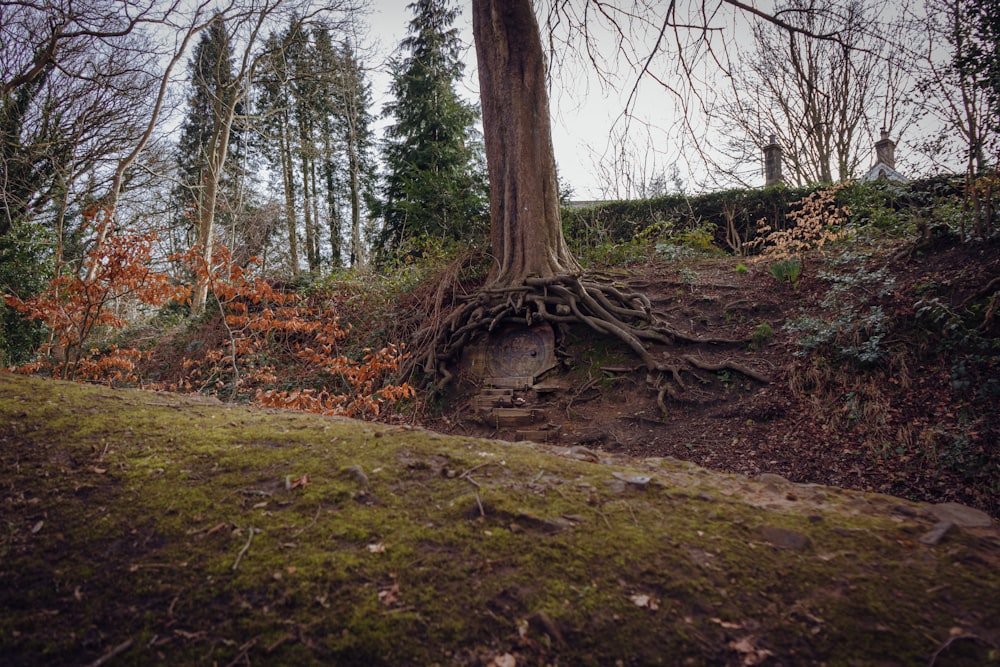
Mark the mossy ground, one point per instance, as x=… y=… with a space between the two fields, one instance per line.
x=147 y=528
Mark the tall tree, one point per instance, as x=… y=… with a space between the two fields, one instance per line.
x=213 y=88
x=525 y=225
x=824 y=100
x=206 y=138
x=75 y=79
x=536 y=279
x=432 y=187
x=275 y=90
x=958 y=69
x=352 y=121
x=315 y=104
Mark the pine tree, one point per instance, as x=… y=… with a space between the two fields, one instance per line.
x=315 y=104
x=212 y=84
x=352 y=120
x=435 y=183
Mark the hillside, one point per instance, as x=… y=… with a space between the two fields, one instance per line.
x=883 y=365
x=149 y=528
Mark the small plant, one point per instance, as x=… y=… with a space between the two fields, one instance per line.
x=787 y=270
x=818 y=221
x=741 y=268
x=761 y=336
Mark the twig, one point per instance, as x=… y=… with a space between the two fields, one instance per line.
x=118 y=650
x=245 y=548
x=951 y=640
x=244 y=651
x=309 y=525
x=466 y=476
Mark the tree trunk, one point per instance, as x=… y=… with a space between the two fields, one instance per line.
x=525 y=225
x=288 y=180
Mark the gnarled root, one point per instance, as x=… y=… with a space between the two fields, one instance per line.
x=567 y=299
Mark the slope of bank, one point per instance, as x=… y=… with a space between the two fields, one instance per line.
x=150 y=528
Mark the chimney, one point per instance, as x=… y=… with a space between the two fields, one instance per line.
x=772 y=163
x=885 y=150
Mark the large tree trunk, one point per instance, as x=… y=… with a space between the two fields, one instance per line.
x=525 y=226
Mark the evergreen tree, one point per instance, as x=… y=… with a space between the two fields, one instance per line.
x=315 y=105
x=351 y=127
x=435 y=185
x=213 y=86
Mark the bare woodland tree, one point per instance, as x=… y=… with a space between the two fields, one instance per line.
x=824 y=100
x=951 y=94
x=74 y=79
x=245 y=24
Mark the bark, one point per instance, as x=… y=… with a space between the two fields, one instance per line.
x=525 y=225
x=288 y=180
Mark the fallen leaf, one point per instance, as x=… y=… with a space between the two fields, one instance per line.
x=727 y=624
x=645 y=601
x=505 y=660
x=751 y=654
x=389 y=596
x=37 y=527
x=376 y=548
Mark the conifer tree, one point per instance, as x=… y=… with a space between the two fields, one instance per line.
x=351 y=128
x=314 y=103
x=434 y=186
x=212 y=85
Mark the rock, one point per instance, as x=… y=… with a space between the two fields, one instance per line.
x=937 y=533
x=783 y=538
x=961 y=515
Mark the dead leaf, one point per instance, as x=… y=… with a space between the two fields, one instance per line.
x=505 y=660
x=727 y=624
x=645 y=601
x=751 y=654
x=37 y=527
x=376 y=548
x=299 y=483
x=389 y=596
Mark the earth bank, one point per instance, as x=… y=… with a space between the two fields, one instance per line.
x=150 y=528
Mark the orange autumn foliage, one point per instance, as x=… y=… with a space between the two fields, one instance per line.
x=269 y=332
x=265 y=325
x=75 y=308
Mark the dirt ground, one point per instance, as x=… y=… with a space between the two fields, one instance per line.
x=871 y=428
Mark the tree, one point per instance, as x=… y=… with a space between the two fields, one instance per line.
x=525 y=225
x=823 y=100
x=535 y=278
x=206 y=145
x=314 y=100
x=75 y=79
x=352 y=122
x=432 y=188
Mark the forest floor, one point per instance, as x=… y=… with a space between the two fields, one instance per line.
x=144 y=527
x=868 y=390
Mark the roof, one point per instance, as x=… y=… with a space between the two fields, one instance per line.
x=882 y=170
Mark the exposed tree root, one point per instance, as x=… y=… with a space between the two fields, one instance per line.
x=564 y=300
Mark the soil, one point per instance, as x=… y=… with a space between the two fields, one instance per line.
x=821 y=419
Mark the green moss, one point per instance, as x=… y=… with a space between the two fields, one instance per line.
x=447 y=554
